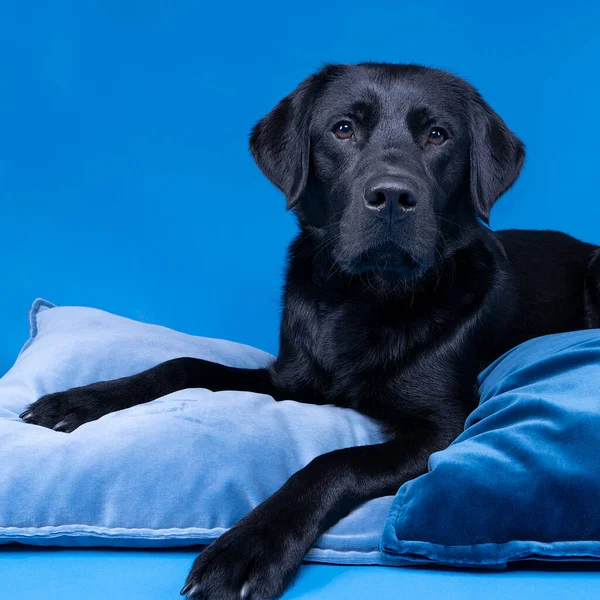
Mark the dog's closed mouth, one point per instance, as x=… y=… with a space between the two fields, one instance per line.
x=387 y=259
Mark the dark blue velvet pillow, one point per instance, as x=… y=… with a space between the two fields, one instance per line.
x=523 y=480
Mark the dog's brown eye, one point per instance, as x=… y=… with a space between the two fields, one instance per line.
x=343 y=130
x=437 y=136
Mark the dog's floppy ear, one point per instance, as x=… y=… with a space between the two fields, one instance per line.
x=497 y=156
x=280 y=142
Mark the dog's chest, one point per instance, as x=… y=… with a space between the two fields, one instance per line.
x=361 y=336
x=373 y=357
x=352 y=350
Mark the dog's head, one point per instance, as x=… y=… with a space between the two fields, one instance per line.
x=389 y=166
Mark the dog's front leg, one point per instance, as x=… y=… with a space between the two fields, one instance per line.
x=259 y=555
x=65 y=411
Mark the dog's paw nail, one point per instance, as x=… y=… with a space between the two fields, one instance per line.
x=184 y=589
x=189 y=589
x=60 y=425
x=245 y=591
x=25 y=415
x=194 y=592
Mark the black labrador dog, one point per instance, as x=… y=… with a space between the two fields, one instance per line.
x=397 y=295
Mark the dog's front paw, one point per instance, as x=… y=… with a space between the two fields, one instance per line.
x=65 y=411
x=248 y=562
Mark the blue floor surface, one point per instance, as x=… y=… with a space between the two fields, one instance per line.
x=92 y=574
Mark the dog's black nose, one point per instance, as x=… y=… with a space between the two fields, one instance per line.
x=389 y=197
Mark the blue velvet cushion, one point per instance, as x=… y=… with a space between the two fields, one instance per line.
x=523 y=480
x=176 y=471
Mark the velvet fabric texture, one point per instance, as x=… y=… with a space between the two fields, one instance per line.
x=177 y=471
x=523 y=480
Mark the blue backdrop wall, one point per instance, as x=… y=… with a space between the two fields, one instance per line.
x=125 y=180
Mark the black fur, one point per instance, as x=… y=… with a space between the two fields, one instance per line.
x=396 y=296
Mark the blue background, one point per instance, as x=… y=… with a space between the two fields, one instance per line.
x=125 y=179
x=118 y=574
x=125 y=183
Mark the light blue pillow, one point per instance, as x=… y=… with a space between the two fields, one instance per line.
x=177 y=471
x=523 y=480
